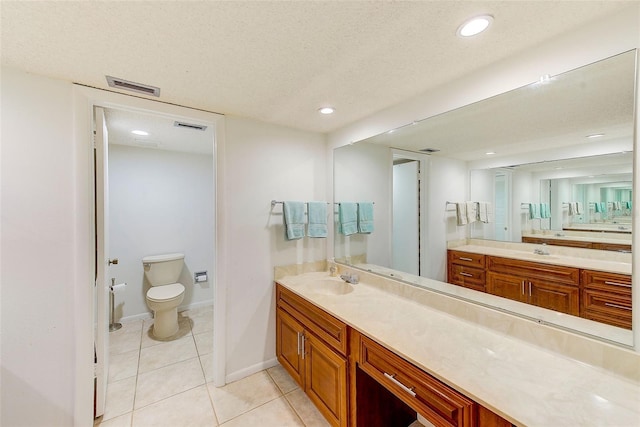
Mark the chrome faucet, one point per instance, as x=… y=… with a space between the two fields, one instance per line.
x=350 y=278
x=541 y=251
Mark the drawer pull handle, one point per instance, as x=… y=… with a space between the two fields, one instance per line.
x=624 y=285
x=466 y=274
x=399 y=384
x=465 y=259
x=608 y=304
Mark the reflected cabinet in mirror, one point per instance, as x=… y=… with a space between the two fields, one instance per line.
x=522 y=202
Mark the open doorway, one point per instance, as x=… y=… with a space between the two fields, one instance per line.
x=154 y=194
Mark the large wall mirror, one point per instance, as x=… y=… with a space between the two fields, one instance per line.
x=563 y=144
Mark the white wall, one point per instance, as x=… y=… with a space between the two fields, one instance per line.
x=447 y=181
x=264 y=162
x=160 y=202
x=42 y=265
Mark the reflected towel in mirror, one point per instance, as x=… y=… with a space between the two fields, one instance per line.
x=365 y=217
x=348 y=217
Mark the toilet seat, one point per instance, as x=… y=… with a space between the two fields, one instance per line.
x=165 y=292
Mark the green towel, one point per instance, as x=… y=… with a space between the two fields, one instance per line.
x=365 y=217
x=317 y=213
x=545 y=211
x=348 y=217
x=533 y=211
x=294 y=219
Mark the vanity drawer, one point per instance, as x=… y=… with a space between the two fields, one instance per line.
x=469 y=259
x=469 y=277
x=537 y=270
x=437 y=402
x=606 y=307
x=609 y=282
x=318 y=321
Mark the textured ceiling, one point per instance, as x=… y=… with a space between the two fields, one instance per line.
x=277 y=61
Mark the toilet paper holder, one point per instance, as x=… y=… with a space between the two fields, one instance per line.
x=112 y=325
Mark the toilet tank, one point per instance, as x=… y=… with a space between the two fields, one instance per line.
x=163 y=269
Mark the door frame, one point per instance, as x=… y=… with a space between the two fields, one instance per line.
x=85 y=100
x=422 y=159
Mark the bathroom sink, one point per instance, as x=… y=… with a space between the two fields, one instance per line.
x=331 y=287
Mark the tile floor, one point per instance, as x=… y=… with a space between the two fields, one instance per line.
x=168 y=383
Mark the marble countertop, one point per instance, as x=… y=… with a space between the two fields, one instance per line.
x=524 y=383
x=558 y=256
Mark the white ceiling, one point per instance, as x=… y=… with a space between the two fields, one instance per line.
x=278 y=61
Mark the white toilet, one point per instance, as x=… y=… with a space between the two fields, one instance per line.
x=165 y=294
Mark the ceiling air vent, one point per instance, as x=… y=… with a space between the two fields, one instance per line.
x=429 y=150
x=132 y=86
x=188 y=126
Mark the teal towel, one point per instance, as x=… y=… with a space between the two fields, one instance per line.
x=603 y=207
x=629 y=205
x=545 y=211
x=348 y=217
x=533 y=211
x=294 y=219
x=599 y=207
x=365 y=217
x=317 y=213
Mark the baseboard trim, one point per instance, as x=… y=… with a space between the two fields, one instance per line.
x=242 y=373
x=149 y=315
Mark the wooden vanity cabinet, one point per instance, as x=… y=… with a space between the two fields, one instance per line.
x=577 y=243
x=312 y=346
x=440 y=404
x=544 y=285
x=466 y=269
x=557 y=242
x=606 y=298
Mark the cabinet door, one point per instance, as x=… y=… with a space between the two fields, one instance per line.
x=562 y=298
x=506 y=286
x=326 y=380
x=289 y=342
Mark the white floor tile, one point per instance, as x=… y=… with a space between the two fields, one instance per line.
x=204 y=342
x=166 y=353
x=123 y=365
x=164 y=382
x=241 y=396
x=274 y=413
x=282 y=379
x=120 y=395
x=191 y=408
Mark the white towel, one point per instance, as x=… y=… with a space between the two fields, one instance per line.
x=461 y=213
x=578 y=208
x=483 y=212
x=472 y=212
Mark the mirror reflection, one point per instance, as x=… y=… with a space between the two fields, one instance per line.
x=538 y=178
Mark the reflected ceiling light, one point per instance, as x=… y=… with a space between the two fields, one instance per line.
x=595 y=135
x=490 y=153
x=474 y=26
x=326 y=110
x=140 y=132
x=545 y=78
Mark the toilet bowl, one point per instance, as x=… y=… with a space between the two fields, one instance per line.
x=165 y=294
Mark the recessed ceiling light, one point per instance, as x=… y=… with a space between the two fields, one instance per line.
x=327 y=110
x=140 y=132
x=595 y=135
x=474 y=26
x=490 y=153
